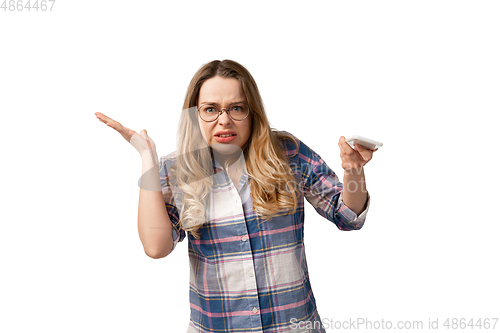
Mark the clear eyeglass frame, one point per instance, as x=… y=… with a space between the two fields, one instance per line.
x=227 y=110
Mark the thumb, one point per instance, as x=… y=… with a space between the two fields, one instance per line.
x=144 y=134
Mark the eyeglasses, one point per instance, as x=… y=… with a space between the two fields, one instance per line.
x=237 y=111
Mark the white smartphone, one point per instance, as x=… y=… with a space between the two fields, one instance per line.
x=365 y=142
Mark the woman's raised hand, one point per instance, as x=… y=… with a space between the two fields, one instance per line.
x=354 y=158
x=142 y=142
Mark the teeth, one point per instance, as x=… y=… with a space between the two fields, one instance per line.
x=226 y=135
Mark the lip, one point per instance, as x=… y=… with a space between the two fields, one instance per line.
x=223 y=140
x=224 y=132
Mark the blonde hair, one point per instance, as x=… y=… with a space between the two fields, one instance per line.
x=272 y=183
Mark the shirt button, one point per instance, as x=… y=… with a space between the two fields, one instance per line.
x=244 y=238
x=254 y=310
x=250 y=274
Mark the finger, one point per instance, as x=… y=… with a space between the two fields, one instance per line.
x=105 y=119
x=144 y=134
x=351 y=158
x=124 y=131
x=110 y=122
x=150 y=140
x=365 y=153
x=102 y=117
x=346 y=148
x=372 y=150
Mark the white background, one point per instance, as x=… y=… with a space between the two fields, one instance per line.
x=420 y=76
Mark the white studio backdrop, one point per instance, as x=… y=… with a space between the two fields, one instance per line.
x=420 y=76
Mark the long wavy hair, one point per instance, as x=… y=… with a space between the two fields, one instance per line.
x=273 y=186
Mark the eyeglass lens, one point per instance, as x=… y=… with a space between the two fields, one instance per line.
x=211 y=112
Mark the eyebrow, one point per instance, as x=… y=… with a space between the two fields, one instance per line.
x=213 y=103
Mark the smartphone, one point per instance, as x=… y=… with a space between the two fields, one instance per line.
x=365 y=142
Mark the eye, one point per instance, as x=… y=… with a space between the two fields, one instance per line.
x=238 y=108
x=209 y=109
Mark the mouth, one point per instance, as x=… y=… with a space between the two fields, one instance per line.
x=225 y=135
x=223 y=138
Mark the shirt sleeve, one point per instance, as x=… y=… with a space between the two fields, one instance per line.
x=178 y=234
x=323 y=190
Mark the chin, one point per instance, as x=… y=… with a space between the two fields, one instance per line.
x=226 y=148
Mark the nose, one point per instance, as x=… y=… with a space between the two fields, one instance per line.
x=224 y=118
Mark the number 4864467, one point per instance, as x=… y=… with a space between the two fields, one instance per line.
x=20 y=5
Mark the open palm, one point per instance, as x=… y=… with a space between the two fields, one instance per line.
x=142 y=142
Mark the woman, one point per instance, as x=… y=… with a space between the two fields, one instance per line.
x=236 y=188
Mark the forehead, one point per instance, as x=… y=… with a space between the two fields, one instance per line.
x=221 y=90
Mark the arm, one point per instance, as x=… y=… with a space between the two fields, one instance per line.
x=354 y=193
x=155 y=228
x=326 y=193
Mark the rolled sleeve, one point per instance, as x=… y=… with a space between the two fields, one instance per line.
x=169 y=196
x=349 y=219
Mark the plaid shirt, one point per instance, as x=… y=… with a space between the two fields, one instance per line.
x=250 y=275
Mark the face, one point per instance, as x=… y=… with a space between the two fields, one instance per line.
x=222 y=92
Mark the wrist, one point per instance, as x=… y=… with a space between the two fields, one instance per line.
x=354 y=181
x=149 y=155
x=150 y=178
x=354 y=172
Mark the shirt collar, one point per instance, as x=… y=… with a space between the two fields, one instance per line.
x=218 y=168
x=216 y=165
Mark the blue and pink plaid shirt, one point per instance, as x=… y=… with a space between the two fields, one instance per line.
x=250 y=275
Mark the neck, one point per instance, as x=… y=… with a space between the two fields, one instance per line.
x=228 y=160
